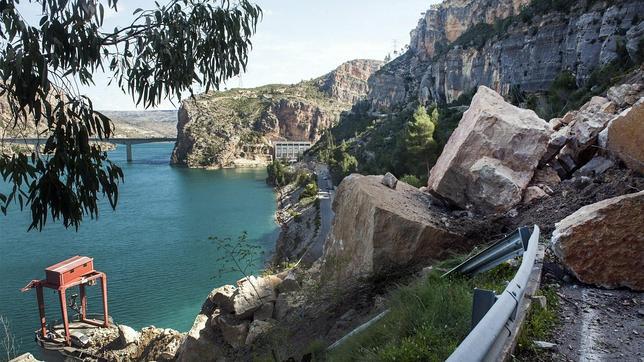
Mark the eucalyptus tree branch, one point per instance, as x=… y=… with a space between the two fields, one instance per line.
x=41 y=67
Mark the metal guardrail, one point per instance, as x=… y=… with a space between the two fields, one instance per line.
x=487 y=339
x=507 y=248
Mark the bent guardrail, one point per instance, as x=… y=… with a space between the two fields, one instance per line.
x=507 y=248
x=487 y=339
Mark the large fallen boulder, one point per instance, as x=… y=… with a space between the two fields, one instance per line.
x=603 y=243
x=491 y=156
x=626 y=136
x=396 y=228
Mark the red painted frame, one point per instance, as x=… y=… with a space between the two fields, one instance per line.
x=81 y=282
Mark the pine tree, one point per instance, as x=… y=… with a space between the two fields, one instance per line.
x=419 y=137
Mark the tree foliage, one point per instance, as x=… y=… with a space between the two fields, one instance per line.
x=160 y=55
x=278 y=174
x=419 y=135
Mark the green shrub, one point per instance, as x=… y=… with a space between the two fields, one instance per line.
x=310 y=190
x=303 y=178
x=412 y=180
x=538 y=326
x=278 y=174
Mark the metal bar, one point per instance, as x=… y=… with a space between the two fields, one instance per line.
x=483 y=301
x=478 y=344
x=510 y=247
x=358 y=330
x=41 y=311
x=83 y=298
x=104 y=289
x=63 y=309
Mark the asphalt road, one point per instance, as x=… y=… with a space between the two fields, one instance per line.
x=325 y=194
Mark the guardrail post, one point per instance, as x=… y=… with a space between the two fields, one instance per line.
x=483 y=300
x=487 y=340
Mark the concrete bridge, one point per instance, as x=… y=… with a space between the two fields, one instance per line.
x=128 y=142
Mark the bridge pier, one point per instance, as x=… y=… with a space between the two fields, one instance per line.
x=129 y=152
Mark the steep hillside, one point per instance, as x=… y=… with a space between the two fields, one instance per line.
x=463 y=44
x=551 y=56
x=161 y=123
x=136 y=124
x=223 y=129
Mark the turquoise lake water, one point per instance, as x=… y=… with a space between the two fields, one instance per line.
x=154 y=247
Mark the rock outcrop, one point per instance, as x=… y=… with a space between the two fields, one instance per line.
x=459 y=45
x=200 y=343
x=603 y=243
x=122 y=343
x=397 y=228
x=236 y=127
x=233 y=317
x=348 y=83
x=490 y=158
x=581 y=134
x=626 y=136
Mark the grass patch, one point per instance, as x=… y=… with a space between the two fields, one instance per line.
x=308 y=200
x=538 y=326
x=427 y=319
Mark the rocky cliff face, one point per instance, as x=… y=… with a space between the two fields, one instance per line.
x=460 y=45
x=448 y=20
x=348 y=83
x=223 y=129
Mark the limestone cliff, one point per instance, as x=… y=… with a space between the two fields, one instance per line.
x=235 y=127
x=461 y=44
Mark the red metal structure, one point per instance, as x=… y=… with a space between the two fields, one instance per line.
x=75 y=271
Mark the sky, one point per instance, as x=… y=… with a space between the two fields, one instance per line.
x=296 y=40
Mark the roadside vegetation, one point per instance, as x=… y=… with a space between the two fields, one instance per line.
x=427 y=319
x=539 y=326
x=280 y=175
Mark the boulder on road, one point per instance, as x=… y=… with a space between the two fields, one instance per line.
x=397 y=228
x=626 y=136
x=491 y=156
x=603 y=243
x=588 y=122
x=595 y=167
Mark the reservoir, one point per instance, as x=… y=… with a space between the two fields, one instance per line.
x=155 y=247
